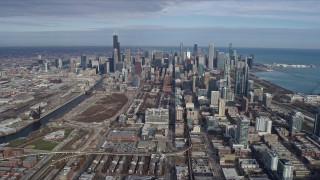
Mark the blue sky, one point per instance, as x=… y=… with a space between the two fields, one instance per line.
x=245 y=23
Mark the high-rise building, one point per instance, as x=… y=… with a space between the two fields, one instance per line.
x=250 y=61
x=296 y=122
x=215 y=95
x=211 y=56
x=195 y=50
x=222 y=107
x=127 y=55
x=202 y=61
x=194 y=84
x=60 y=63
x=242 y=130
x=116 y=44
x=230 y=49
x=245 y=104
x=212 y=86
x=237 y=83
x=285 y=169
x=83 y=62
x=200 y=70
x=188 y=54
x=229 y=94
x=263 y=125
x=116 y=54
x=111 y=65
x=45 y=67
x=267 y=99
x=115 y=59
x=316 y=129
x=251 y=97
x=271 y=160
x=220 y=60
x=246 y=89
x=115 y=40
x=138 y=68
x=181 y=51
x=258 y=94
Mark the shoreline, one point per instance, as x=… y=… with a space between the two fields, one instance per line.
x=259 y=70
x=267 y=83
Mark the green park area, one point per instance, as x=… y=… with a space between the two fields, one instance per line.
x=17 y=142
x=67 y=132
x=42 y=145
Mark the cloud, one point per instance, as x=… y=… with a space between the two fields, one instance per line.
x=78 y=8
x=307 y=10
x=35 y=15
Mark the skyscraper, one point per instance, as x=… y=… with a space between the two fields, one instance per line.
x=296 y=122
x=45 y=67
x=230 y=49
x=215 y=95
x=237 y=84
x=212 y=86
x=316 y=130
x=242 y=130
x=220 y=60
x=195 y=50
x=138 y=67
x=116 y=43
x=115 y=59
x=211 y=56
x=60 y=63
x=83 y=62
x=181 y=51
x=222 y=107
x=245 y=81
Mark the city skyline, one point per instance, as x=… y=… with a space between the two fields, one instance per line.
x=249 y=23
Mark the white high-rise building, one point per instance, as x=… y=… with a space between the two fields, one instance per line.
x=211 y=56
x=222 y=107
x=263 y=125
x=45 y=67
x=188 y=54
x=215 y=95
x=60 y=63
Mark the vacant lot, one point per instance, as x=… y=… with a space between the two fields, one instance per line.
x=103 y=109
